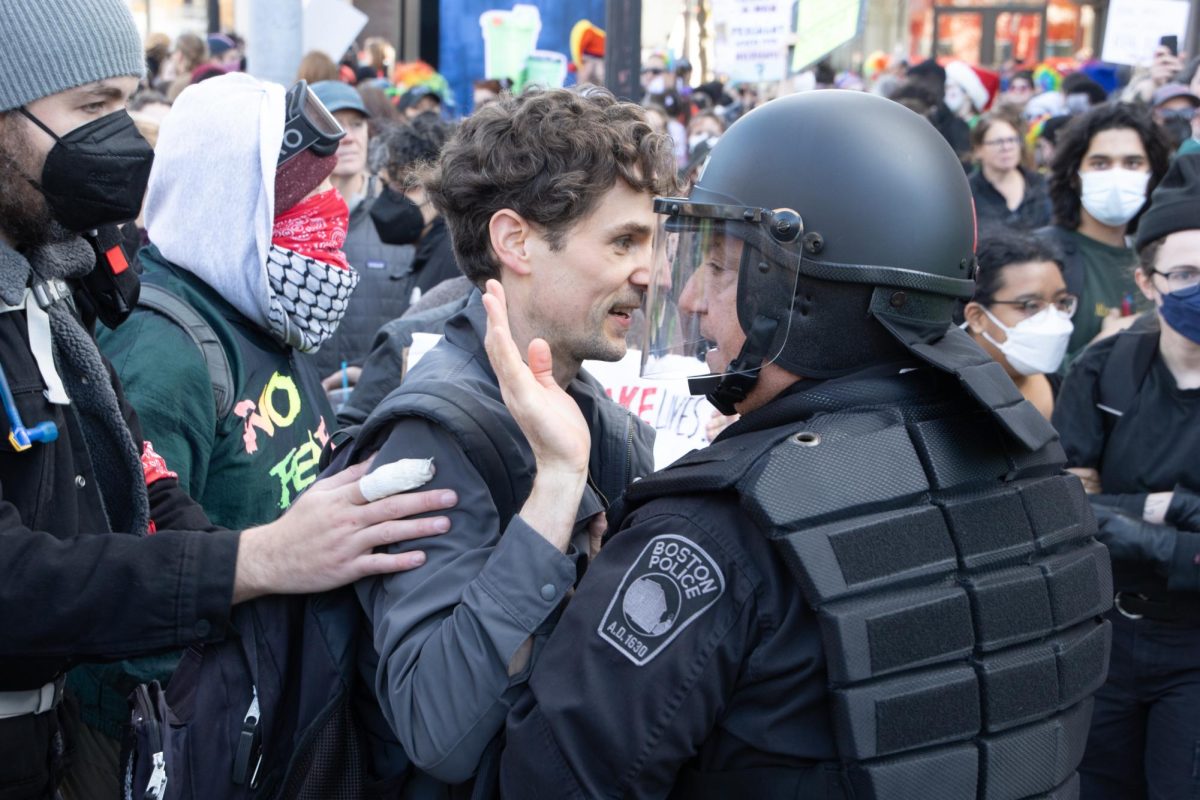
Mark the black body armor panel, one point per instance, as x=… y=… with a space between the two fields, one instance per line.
x=955 y=577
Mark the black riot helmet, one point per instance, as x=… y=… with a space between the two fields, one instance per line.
x=856 y=229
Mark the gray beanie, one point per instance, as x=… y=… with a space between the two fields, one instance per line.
x=49 y=46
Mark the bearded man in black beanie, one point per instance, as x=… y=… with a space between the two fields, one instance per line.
x=80 y=578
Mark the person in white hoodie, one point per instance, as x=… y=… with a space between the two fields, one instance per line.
x=251 y=241
x=252 y=247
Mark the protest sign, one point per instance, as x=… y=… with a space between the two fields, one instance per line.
x=752 y=39
x=331 y=26
x=822 y=26
x=1133 y=28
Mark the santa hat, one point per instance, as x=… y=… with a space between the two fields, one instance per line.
x=587 y=39
x=965 y=76
x=990 y=81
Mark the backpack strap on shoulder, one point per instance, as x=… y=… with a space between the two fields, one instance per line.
x=161 y=301
x=1124 y=373
x=459 y=414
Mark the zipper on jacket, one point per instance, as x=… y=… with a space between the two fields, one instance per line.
x=629 y=423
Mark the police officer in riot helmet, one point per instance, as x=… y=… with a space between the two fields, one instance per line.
x=879 y=583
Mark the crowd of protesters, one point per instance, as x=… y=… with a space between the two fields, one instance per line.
x=281 y=292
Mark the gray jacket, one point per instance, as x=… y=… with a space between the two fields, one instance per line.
x=445 y=634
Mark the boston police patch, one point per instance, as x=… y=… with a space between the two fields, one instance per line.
x=672 y=582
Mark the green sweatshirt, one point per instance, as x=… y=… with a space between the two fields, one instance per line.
x=244 y=470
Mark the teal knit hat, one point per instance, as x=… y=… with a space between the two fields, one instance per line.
x=49 y=46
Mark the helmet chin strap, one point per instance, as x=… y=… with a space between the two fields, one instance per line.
x=728 y=389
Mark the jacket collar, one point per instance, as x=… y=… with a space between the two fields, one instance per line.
x=622 y=446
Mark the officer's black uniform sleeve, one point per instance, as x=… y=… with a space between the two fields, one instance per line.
x=638 y=670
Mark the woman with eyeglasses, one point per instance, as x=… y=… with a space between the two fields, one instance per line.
x=1129 y=420
x=1021 y=312
x=1006 y=192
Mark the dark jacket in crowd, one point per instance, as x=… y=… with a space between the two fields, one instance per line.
x=1151 y=447
x=386 y=278
x=58 y=605
x=991 y=207
x=434 y=261
x=387 y=362
x=953 y=129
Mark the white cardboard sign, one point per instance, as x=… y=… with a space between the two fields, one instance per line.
x=331 y=26
x=752 y=39
x=1134 y=27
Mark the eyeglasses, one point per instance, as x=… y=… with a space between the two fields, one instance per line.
x=1067 y=304
x=1008 y=141
x=1187 y=114
x=1182 y=282
x=309 y=125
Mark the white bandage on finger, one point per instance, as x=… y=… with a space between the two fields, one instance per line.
x=399 y=476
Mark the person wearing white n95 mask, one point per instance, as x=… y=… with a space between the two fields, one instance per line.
x=1113 y=196
x=1036 y=344
x=1021 y=312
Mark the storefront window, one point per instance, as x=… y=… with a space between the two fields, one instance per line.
x=1018 y=35
x=1070 y=28
x=959 y=36
x=998 y=32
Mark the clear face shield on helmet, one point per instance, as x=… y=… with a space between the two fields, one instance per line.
x=722 y=286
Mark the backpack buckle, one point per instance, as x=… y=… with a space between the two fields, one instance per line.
x=51 y=291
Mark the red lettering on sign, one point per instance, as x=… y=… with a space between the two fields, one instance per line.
x=647 y=404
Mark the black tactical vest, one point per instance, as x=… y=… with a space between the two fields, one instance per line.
x=958 y=586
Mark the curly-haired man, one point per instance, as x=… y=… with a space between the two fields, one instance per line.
x=550 y=193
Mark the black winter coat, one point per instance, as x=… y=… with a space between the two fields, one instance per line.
x=72 y=591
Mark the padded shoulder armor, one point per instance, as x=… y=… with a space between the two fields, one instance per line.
x=959 y=592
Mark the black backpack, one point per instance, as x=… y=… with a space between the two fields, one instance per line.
x=269 y=711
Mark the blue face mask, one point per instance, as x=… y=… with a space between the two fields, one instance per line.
x=1183 y=314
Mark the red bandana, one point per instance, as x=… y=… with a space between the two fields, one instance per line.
x=316 y=228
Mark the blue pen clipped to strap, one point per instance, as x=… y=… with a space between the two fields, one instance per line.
x=20 y=437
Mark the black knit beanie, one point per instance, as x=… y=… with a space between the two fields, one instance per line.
x=1175 y=204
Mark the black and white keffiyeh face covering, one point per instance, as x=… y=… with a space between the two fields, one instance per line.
x=308 y=298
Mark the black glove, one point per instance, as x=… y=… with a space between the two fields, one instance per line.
x=1184 y=511
x=1174 y=554
x=1130 y=539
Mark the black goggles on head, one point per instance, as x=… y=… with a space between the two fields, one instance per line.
x=308 y=126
